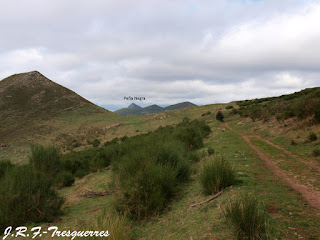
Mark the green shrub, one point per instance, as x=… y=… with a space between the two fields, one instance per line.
x=5 y=165
x=220 y=116
x=194 y=157
x=119 y=227
x=210 y=150
x=64 y=179
x=229 y=107
x=317 y=114
x=145 y=186
x=190 y=136
x=45 y=159
x=247 y=217
x=216 y=175
x=26 y=196
x=316 y=152
x=96 y=143
x=313 y=137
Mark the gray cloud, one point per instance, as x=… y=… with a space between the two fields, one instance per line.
x=167 y=51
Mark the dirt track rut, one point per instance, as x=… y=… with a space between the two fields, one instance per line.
x=311 y=195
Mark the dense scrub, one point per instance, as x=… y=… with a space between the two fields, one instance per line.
x=150 y=169
x=26 y=195
x=303 y=104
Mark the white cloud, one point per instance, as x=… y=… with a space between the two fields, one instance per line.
x=168 y=51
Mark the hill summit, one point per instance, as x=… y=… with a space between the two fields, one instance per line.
x=133 y=105
x=30 y=97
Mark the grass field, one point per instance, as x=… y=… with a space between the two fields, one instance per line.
x=290 y=214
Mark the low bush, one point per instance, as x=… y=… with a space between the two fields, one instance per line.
x=26 y=195
x=210 y=150
x=95 y=143
x=247 y=217
x=313 y=137
x=216 y=175
x=5 y=165
x=145 y=185
x=64 y=179
x=220 y=116
x=316 y=152
x=45 y=159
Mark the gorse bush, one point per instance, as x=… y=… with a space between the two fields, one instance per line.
x=219 y=116
x=5 y=165
x=64 y=179
x=247 y=217
x=210 y=150
x=45 y=159
x=149 y=169
x=26 y=195
x=312 y=137
x=216 y=175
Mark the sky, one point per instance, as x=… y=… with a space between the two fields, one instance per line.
x=166 y=51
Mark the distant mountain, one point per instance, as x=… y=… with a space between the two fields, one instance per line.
x=132 y=105
x=179 y=106
x=151 y=109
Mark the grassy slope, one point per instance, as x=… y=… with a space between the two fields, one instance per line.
x=291 y=216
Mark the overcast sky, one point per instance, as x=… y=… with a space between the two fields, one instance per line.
x=168 y=51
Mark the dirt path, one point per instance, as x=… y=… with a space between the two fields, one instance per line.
x=312 y=196
x=297 y=158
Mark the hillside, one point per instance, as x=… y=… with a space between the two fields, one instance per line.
x=136 y=110
x=179 y=106
x=29 y=99
x=300 y=105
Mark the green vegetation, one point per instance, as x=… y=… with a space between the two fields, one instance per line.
x=5 y=165
x=316 y=152
x=152 y=109
x=247 y=217
x=312 y=137
x=151 y=168
x=210 y=150
x=216 y=175
x=27 y=196
x=303 y=104
x=119 y=227
x=220 y=116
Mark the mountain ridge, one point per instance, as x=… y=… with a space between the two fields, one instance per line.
x=152 y=109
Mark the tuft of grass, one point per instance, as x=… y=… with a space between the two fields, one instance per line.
x=119 y=227
x=216 y=175
x=247 y=217
x=313 y=137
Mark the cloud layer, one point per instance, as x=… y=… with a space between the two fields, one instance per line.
x=166 y=51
